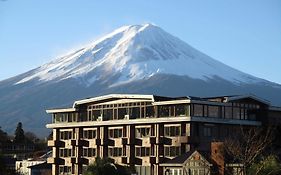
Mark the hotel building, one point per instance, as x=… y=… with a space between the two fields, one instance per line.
x=147 y=131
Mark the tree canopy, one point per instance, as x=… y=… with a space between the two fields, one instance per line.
x=19 y=134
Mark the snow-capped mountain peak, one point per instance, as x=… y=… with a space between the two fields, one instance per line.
x=135 y=52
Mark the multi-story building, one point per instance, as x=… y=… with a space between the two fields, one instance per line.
x=146 y=131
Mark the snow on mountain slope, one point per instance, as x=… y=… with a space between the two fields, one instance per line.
x=132 y=53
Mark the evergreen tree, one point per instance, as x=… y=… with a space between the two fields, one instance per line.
x=19 y=134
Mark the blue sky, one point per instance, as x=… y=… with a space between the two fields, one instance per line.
x=243 y=34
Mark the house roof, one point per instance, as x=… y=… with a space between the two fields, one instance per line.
x=182 y=159
x=230 y=98
x=44 y=165
x=113 y=96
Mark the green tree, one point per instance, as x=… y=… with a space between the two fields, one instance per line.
x=267 y=165
x=248 y=146
x=19 y=134
x=106 y=167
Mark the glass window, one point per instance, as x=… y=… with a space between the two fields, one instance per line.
x=135 y=112
x=143 y=132
x=96 y=114
x=149 y=111
x=198 y=110
x=236 y=113
x=172 y=131
x=228 y=112
x=115 y=133
x=121 y=113
x=213 y=111
x=108 y=114
x=172 y=151
x=163 y=111
x=143 y=151
x=181 y=110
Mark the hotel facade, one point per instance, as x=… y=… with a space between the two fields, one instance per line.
x=147 y=131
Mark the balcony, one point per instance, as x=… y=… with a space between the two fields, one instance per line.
x=131 y=141
x=156 y=140
x=108 y=142
x=80 y=143
x=161 y=159
x=146 y=141
x=146 y=161
x=56 y=143
x=124 y=160
x=118 y=142
x=55 y=160
x=177 y=140
x=79 y=160
x=94 y=142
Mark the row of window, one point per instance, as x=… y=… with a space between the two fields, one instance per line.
x=137 y=104
x=134 y=111
x=228 y=112
x=169 y=131
x=173 y=110
x=169 y=151
x=65 y=117
x=121 y=113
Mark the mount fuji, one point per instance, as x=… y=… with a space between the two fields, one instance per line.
x=131 y=59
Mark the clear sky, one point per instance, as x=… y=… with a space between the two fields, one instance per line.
x=245 y=34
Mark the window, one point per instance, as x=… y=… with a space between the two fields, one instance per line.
x=149 y=111
x=181 y=110
x=236 y=113
x=115 y=133
x=64 y=152
x=89 y=134
x=71 y=117
x=65 y=170
x=96 y=114
x=172 y=131
x=89 y=152
x=66 y=135
x=228 y=112
x=144 y=152
x=172 y=151
x=143 y=132
x=135 y=112
x=213 y=111
x=121 y=113
x=115 y=152
x=198 y=110
x=175 y=172
x=164 y=111
x=107 y=114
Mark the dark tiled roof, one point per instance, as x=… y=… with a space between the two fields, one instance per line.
x=44 y=165
x=182 y=158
